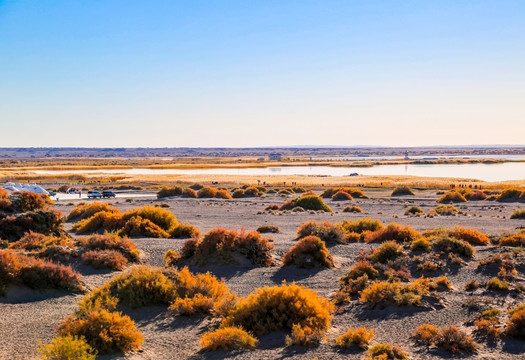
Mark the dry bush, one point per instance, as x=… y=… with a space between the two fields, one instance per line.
x=109 y=221
x=47 y=222
x=184 y=231
x=328 y=193
x=23 y=201
x=471 y=236
x=5 y=203
x=516 y=324
x=85 y=211
x=342 y=196
x=309 y=252
x=360 y=337
x=414 y=210
x=272 y=207
x=476 y=196
x=395 y=232
x=361 y=226
x=36 y=241
x=303 y=336
x=352 y=209
x=309 y=192
x=105 y=259
x=309 y=202
x=383 y=293
x=447 y=244
x=175 y=190
x=511 y=195
x=402 y=191
x=444 y=282
x=451 y=197
x=517 y=239
x=488 y=328
x=279 y=308
x=386 y=252
x=123 y=245
x=209 y=192
x=471 y=285
x=383 y=351
x=427 y=334
x=36 y=273
x=161 y=217
x=223 y=194
x=326 y=231
x=497 y=285
x=228 y=338
x=172 y=257
x=107 y=332
x=190 y=193
x=454 y=341
x=421 y=244
x=443 y=210
x=238 y=193
x=196 y=186
x=139 y=227
x=267 y=229
x=359 y=269
x=518 y=214
x=67 y=347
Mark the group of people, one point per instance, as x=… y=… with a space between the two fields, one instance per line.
x=463 y=186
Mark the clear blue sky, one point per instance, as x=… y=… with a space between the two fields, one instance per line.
x=261 y=73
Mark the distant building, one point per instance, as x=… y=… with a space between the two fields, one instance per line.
x=275 y=156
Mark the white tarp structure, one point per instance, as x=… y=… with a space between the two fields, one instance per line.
x=12 y=187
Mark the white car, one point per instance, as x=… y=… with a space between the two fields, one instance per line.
x=94 y=194
x=73 y=191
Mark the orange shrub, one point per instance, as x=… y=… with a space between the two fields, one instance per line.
x=352 y=209
x=175 y=190
x=303 y=336
x=308 y=202
x=359 y=269
x=86 y=211
x=189 y=193
x=360 y=337
x=24 y=201
x=328 y=193
x=223 y=194
x=454 y=341
x=161 y=217
x=387 y=251
x=172 y=257
x=267 y=229
x=383 y=351
x=342 y=196
x=48 y=222
x=426 y=334
x=395 y=232
x=511 y=195
x=471 y=236
x=184 y=231
x=5 y=204
x=104 y=259
x=109 y=221
x=209 y=192
x=402 y=191
x=279 y=308
x=139 y=227
x=516 y=325
x=227 y=338
x=36 y=241
x=111 y=242
x=517 y=239
x=67 y=348
x=476 y=196
x=105 y=331
x=309 y=252
x=451 y=196
x=382 y=293
x=362 y=225
x=326 y=231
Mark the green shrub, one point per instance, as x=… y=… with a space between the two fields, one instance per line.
x=361 y=225
x=267 y=229
x=414 y=210
x=518 y=214
x=309 y=202
x=444 y=210
x=402 y=191
x=497 y=284
x=448 y=244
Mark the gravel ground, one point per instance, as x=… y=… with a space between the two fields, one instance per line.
x=27 y=316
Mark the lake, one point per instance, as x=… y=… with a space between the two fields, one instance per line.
x=486 y=172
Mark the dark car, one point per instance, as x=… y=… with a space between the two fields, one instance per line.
x=93 y=194
x=108 y=194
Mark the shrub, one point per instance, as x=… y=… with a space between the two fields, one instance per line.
x=342 y=196
x=352 y=209
x=209 y=192
x=190 y=193
x=309 y=252
x=23 y=201
x=517 y=239
x=488 y=327
x=252 y=191
x=386 y=351
x=184 y=231
x=105 y=331
x=387 y=251
x=497 y=284
x=427 y=334
x=37 y=273
x=451 y=245
x=518 y=214
x=476 y=196
x=161 y=217
x=35 y=241
x=454 y=341
x=227 y=338
x=328 y=193
x=382 y=293
x=196 y=187
x=309 y=192
x=238 y=193
x=422 y=244
x=451 y=196
x=511 y=195
x=267 y=229
x=443 y=210
x=172 y=257
x=223 y=194
x=171 y=191
x=272 y=207
x=102 y=220
x=138 y=227
x=359 y=269
x=105 y=259
x=402 y=191
x=360 y=337
x=111 y=242
x=471 y=285
x=5 y=203
x=443 y=281
x=395 y=232
x=85 y=211
x=309 y=202
x=279 y=308
x=303 y=336
x=67 y=348
x=471 y=236
x=414 y=210
x=361 y=225
x=326 y=231
x=516 y=325
x=13 y=227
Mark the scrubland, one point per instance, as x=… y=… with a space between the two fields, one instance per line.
x=189 y=277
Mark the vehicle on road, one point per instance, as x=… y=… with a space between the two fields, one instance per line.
x=73 y=191
x=51 y=192
x=108 y=194
x=94 y=194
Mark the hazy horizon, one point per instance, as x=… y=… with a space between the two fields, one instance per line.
x=261 y=74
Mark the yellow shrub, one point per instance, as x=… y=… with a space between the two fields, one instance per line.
x=309 y=252
x=85 y=211
x=67 y=348
x=227 y=338
x=360 y=337
x=426 y=334
x=303 y=336
x=386 y=351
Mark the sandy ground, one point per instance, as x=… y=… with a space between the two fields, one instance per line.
x=27 y=316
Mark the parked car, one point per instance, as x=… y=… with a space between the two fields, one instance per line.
x=51 y=192
x=108 y=194
x=73 y=191
x=94 y=194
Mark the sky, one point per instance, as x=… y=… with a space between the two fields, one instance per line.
x=261 y=73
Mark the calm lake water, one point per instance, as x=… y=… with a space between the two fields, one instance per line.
x=423 y=157
x=486 y=172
